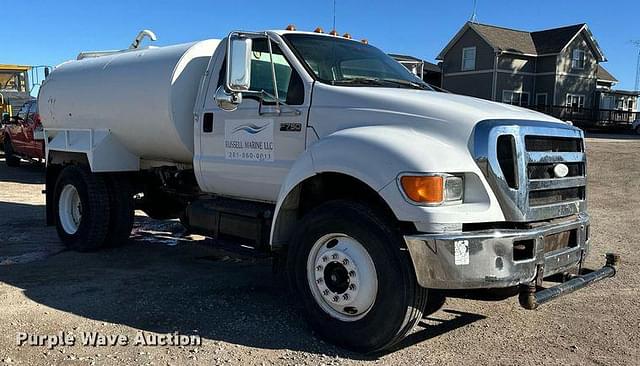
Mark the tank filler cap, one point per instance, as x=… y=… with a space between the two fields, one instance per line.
x=138 y=40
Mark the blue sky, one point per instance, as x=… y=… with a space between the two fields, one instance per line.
x=49 y=32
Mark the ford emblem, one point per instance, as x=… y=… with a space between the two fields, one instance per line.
x=561 y=170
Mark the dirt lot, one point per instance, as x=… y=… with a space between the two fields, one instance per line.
x=166 y=282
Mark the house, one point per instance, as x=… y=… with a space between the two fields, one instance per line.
x=427 y=71
x=553 y=67
x=612 y=99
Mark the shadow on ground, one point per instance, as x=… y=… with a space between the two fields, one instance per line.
x=190 y=286
x=612 y=135
x=27 y=173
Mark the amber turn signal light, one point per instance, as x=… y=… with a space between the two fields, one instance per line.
x=424 y=189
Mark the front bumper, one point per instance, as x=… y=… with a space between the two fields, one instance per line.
x=487 y=259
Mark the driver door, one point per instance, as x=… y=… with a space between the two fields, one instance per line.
x=247 y=153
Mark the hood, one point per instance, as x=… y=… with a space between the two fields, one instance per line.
x=442 y=115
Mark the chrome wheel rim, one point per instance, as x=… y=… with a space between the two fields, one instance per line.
x=70 y=209
x=342 y=277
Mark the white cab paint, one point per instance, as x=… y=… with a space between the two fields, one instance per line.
x=145 y=101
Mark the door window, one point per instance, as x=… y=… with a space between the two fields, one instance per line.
x=288 y=82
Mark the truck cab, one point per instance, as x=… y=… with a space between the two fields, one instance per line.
x=23 y=135
x=367 y=187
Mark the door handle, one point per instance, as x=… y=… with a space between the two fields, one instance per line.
x=291 y=113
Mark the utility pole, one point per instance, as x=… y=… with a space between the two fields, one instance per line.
x=636 y=43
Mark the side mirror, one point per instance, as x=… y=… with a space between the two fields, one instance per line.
x=227 y=101
x=47 y=71
x=238 y=63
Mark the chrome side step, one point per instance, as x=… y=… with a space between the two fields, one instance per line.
x=530 y=299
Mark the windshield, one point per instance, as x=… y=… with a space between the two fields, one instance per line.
x=13 y=81
x=339 y=61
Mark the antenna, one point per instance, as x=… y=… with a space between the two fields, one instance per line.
x=334 y=14
x=474 y=15
x=636 y=43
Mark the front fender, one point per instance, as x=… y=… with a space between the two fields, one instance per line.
x=376 y=155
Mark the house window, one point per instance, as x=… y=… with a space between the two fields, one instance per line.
x=578 y=59
x=575 y=100
x=541 y=99
x=468 y=58
x=515 y=97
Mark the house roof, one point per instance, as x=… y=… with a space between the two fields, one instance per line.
x=604 y=75
x=428 y=66
x=544 y=42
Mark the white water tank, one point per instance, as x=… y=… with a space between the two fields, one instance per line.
x=144 y=97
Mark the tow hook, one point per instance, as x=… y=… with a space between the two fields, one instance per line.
x=530 y=298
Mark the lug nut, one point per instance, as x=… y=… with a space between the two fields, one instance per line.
x=345 y=296
x=319 y=268
x=335 y=256
x=336 y=298
x=325 y=292
x=320 y=280
x=352 y=287
x=324 y=258
x=345 y=261
x=352 y=273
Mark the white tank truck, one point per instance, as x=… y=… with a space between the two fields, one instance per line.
x=369 y=187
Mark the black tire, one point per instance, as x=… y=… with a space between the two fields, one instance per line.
x=94 y=202
x=400 y=300
x=184 y=221
x=9 y=157
x=121 y=210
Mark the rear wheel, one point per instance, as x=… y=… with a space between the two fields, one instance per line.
x=357 y=287
x=9 y=157
x=82 y=209
x=121 y=210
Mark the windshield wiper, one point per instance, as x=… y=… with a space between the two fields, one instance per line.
x=380 y=82
x=364 y=81
x=408 y=83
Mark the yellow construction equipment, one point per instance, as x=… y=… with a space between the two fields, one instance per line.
x=15 y=88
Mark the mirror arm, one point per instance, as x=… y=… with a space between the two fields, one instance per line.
x=273 y=75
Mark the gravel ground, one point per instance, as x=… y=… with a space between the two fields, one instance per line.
x=166 y=282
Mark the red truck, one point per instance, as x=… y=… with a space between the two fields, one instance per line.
x=22 y=135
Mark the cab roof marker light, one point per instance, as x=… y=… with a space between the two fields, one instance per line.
x=319 y=30
x=291 y=27
x=333 y=32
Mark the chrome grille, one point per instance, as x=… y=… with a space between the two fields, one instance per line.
x=520 y=168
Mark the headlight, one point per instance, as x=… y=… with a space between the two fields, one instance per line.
x=432 y=189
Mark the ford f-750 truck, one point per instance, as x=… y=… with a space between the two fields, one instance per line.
x=368 y=186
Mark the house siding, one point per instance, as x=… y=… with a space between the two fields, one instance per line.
x=475 y=85
x=564 y=59
x=485 y=56
x=546 y=64
x=546 y=84
x=567 y=84
x=517 y=63
x=515 y=82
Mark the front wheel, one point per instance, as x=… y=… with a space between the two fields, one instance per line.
x=356 y=285
x=9 y=157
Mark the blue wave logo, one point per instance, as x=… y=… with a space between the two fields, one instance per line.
x=250 y=128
